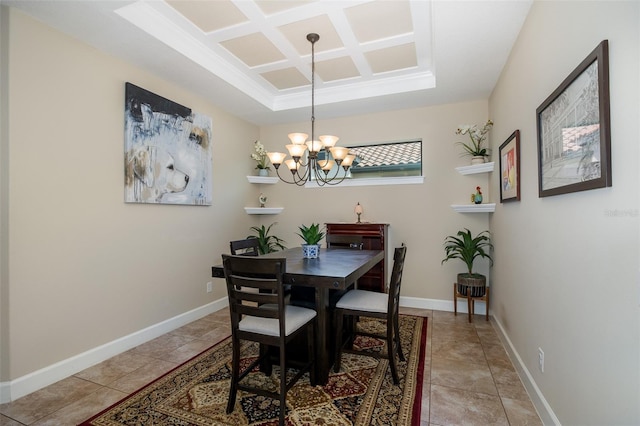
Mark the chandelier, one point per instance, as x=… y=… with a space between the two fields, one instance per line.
x=323 y=154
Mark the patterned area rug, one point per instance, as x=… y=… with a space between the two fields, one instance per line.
x=362 y=393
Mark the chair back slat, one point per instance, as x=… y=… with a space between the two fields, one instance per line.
x=246 y=247
x=250 y=296
x=257 y=311
x=256 y=281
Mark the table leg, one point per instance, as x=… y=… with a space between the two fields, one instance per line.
x=322 y=346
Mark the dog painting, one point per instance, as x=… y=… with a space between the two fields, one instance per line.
x=167 y=151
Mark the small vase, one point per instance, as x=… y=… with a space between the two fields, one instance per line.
x=478 y=159
x=263 y=172
x=477 y=198
x=310 y=251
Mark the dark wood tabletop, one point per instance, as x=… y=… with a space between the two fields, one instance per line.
x=334 y=269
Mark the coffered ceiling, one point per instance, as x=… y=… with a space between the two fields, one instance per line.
x=252 y=57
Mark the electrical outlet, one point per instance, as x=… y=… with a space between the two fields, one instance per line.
x=209 y=287
x=541 y=360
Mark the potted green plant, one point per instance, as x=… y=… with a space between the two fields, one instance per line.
x=467 y=248
x=267 y=243
x=311 y=236
x=475 y=148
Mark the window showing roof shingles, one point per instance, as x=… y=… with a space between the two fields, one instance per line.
x=396 y=154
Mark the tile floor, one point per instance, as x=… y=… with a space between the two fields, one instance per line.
x=469 y=378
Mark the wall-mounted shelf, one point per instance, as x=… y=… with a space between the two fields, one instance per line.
x=263 y=210
x=474 y=208
x=476 y=168
x=270 y=180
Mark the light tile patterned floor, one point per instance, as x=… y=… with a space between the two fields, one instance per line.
x=468 y=379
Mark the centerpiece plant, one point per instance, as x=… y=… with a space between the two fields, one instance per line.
x=466 y=247
x=311 y=235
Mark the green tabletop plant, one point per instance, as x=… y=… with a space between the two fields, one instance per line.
x=312 y=235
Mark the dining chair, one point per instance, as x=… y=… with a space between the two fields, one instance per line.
x=246 y=247
x=264 y=317
x=471 y=293
x=356 y=304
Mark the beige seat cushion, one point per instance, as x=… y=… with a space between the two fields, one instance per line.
x=295 y=317
x=363 y=300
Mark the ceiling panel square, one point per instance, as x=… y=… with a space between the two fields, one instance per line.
x=207 y=15
x=253 y=49
x=380 y=19
x=336 y=69
x=270 y=7
x=286 y=79
x=392 y=58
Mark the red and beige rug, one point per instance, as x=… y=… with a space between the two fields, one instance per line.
x=362 y=393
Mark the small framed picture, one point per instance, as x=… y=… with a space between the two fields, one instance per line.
x=574 y=131
x=510 y=168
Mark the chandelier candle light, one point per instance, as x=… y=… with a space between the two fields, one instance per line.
x=302 y=172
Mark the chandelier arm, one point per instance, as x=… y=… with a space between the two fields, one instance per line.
x=300 y=182
x=332 y=180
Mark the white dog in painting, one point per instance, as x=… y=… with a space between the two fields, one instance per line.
x=150 y=173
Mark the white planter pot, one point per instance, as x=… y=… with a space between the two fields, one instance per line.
x=479 y=159
x=310 y=251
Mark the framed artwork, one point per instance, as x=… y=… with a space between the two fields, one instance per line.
x=510 y=168
x=167 y=151
x=574 y=134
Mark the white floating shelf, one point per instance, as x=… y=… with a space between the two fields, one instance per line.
x=476 y=168
x=263 y=210
x=474 y=208
x=263 y=179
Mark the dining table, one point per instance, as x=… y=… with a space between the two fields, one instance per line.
x=332 y=270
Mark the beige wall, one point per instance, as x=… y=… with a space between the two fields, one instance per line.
x=566 y=271
x=419 y=215
x=84 y=267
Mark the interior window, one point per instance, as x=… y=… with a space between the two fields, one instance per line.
x=392 y=163
x=387 y=160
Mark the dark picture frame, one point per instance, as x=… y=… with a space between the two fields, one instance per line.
x=574 y=130
x=509 y=153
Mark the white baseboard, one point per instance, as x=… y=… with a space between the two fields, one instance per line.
x=440 y=305
x=543 y=408
x=10 y=391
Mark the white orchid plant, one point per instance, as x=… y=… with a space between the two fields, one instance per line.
x=260 y=156
x=477 y=136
